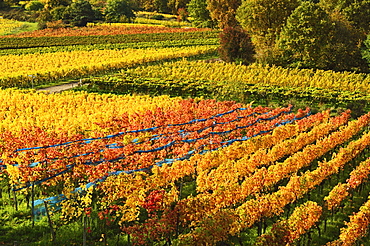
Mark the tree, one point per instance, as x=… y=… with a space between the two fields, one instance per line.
x=357 y=12
x=118 y=11
x=152 y=5
x=3 y=5
x=161 y=6
x=345 y=46
x=79 y=13
x=366 y=50
x=175 y=5
x=34 y=6
x=224 y=11
x=306 y=37
x=57 y=13
x=264 y=20
x=182 y=14
x=236 y=45
x=43 y=17
x=50 y=4
x=147 y=5
x=200 y=14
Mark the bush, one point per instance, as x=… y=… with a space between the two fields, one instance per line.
x=57 y=13
x=157 y=17
x=16 y=14
x=43 y=17
x=56 y=24
x=34 y=6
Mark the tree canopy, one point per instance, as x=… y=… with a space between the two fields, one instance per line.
x=79 y=13
x=200 y=14
x=224 y=11
x=118 y=11
x=307 y=35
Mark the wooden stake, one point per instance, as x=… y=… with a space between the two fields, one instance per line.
x=50 y=222
x=32 y=204
x=84 y=232
x=15 y=200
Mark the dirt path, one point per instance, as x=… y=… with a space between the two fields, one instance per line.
x=59 y=88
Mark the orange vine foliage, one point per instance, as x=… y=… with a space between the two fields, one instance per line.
x=285 y=232
x=341 y=191
x=272 y=204
x=356 y=228
x=103 y=30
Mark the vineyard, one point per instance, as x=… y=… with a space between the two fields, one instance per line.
x=163 y=144
x=9 y=27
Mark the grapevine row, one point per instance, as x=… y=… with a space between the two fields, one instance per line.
x=165 y=175
x=288 y=231
x=128 y=83
x=263 y=178
x=46 y=41
x=8 y=26
x=69 y=114
x=272 y=204
x=36 y=69
x=247 y=165
x=356 y=228
x=103 y=30
x=109 y=46
x=96 y=157
x=341 y=191
x=240 y=77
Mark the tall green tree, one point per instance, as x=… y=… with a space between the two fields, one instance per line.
x=200 y=14
x=118 y=11
x=345 y=48
x=57 y=13
x=264 y=20
x=153 y=5
x=224 y=11
x=307 y=37
x=79 y=13
x=366 y=50
x=50 y=4
x=357 y=12
x=161 y=6
x=3 y=5
x=147 y=5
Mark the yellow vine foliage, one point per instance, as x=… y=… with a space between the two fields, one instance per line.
x=239 y=75
x=72 y=112
x=16 y=70
x=7 y=26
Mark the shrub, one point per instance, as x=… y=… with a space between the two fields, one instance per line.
x=55 y=24
x=157 y=17
x=34 y=6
